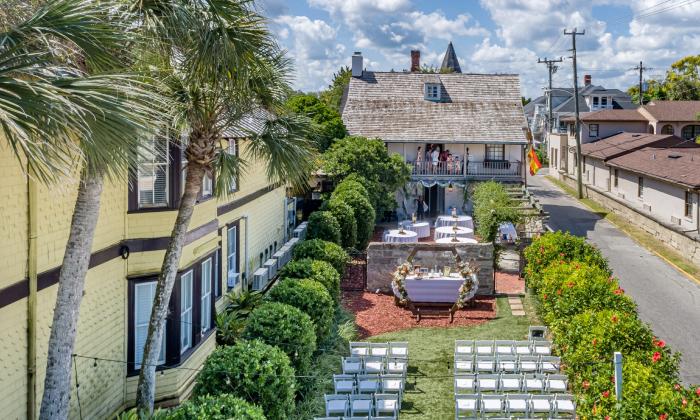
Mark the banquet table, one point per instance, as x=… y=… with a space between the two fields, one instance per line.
x=449 y=231
x=421 y=228
x=464 y=221
x=461 y=240
x=395 y=235
x=435 y=288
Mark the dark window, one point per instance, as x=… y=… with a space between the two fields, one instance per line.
x=496 y=152
x=233 y=151
x=232 y=274
x=667 y=129
x=616 y=176
x=572 y=129
x=640 y=187
x=153 y=174
x=690 y=132
x=688 y=204
x=593 y=130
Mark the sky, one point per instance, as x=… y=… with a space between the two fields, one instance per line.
x=489 y=36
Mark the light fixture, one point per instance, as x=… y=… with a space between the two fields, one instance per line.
x=450 y=188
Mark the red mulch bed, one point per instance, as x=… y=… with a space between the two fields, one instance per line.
x=354 y=278
x=378 y=314
x=509 y=283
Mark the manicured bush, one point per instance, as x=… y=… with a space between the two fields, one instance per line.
x=311 y=297
x=286 y=327
x=345 y=216
x=323 y=225
x=255 y=371
x=218 y=407
x=321 y=271
x=318 y=249
x=492 y=206
x=362 y=209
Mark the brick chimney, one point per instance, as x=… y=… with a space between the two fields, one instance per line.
x=587 y=79
x=415 y=61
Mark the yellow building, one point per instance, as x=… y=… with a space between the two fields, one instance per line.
x=227 y=239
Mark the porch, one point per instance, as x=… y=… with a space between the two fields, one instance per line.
x=503 y=170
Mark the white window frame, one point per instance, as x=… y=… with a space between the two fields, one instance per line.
x=150 y=288
x=232 y=276
x=432 y=91
x=153 y=164
x=186 y=283
x=205 y=293
x=495 y=150
x=595 y=103
x=233 y=151
x=590 y=130
x=207 y=186
x=640 y=187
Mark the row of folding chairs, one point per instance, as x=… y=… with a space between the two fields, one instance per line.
x=398 y=349
x=362 y=404
x=472 y=406
x=503 y=347
x=510 y=382
x=506 y=364
x=354 y=365
x=357 y=418
x=369 y=384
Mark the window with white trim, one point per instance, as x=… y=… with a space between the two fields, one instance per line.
x=144 y=293
x=207 y=186
x=205 y=303
x=186 y=311
x=593 y=130
x=432 y=91
x=688 y=208
x=640 y=187
x=232 y=256
x=153 y=173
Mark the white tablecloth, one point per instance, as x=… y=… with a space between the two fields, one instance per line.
x=464 y=221
x=448 y=232
x=459 y=240
x=406 y=236
x=421 y=228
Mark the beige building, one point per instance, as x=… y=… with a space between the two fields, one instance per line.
x=227 y=240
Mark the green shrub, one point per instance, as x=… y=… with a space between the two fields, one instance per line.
x=311 y=297
x=363 y=211
x=219 y=407
x=492 y=206
x=323 y=225
x=232 y=320
x=253 y=370
x=321 y=271
x=286 y=327
x=318 y=249
x=345 y=216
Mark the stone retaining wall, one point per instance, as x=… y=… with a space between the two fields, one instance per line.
x=686 y=245
x=383 y=258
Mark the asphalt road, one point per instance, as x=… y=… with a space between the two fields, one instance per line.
x=667 y=300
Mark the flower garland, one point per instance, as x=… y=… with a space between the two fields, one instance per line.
x=398 y=283
x=467 y=290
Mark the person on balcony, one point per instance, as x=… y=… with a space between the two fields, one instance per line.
x=435 y=155
x=419 y=160
x=450 y=164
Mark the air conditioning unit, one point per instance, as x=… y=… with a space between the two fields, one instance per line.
x=271 y=266
x=232 y=279
x=675 y=220
x=260 y=278
x=279 y=257
x=286 y=256
x=647 y=207
x=292 y=242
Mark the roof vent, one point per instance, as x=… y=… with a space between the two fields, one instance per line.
x=636 y=135
x=674 y=156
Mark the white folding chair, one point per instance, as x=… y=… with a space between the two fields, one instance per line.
x=465 y=384
x=534 y=383
x=368 y=384
x=556 y=383
x=398 y=349
x=549 y=364
x=504 y=347
x=352 y=365
x=466 y=406
x=523 y=348
x=344 y=384
x=359 y=348
x=395 y=365
x=484 y=347
x=511 y=382
x=564 y=405
x=373 y=365
x=491 y=403
x=517 y=405
x=379 y=349
x=463 y=347
x=541 y=404
x=528 y=364
x=337 y=404
x=486 y=383
x=542 y=348
x=361 y=404
x=393 y=384
x=507 y=364
x=485 y=364
x=536 y=332
x=464 y=364
x=386 y=404
x=328 y=418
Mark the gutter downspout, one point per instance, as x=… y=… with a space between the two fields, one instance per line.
x=32 y=199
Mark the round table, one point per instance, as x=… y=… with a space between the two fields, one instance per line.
x=395 y=236
x=459 y=240
x=464 y=221
x=448 y=232
x=421 y=228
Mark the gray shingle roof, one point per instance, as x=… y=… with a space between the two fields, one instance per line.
x=250 y=124
x=475 y=108
x=450 y=60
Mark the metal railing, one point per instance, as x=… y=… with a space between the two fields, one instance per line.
x=505 y=169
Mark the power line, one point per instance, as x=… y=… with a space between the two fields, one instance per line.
x=576 y=105
x=641 y=69
x=551 y=69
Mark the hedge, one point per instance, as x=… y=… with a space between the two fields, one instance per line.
x=321 y=271
x=363 y=211
x=216 y=407
x=311 y=297
x=286 y=327
x=323 y=225
x=345 y=216
x=492 y=206
x=591 y=317
x=318 y=249
x=255 y=371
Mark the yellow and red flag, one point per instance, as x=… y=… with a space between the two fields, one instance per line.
x=535 y=164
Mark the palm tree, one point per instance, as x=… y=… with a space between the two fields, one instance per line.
x=64 y=99
x=222 y=65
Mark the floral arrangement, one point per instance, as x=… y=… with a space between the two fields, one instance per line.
x=398 y=282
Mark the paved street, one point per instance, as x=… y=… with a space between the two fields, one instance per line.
x=667 y=300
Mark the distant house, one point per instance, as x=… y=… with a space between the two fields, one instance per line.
x=477 y=118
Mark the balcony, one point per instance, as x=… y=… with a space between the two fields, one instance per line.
x=472 y=170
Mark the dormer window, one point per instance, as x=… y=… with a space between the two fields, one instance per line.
x=432 y=91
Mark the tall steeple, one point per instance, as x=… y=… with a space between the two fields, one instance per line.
x=450 y=61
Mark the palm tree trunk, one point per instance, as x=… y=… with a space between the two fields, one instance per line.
x=71 y=282
x=145 y=392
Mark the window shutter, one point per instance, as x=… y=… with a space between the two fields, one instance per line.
x=231 y=256
x=185 y=311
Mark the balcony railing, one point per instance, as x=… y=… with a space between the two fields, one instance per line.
x=488 y=169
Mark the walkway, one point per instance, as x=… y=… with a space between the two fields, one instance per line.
x=667 y=299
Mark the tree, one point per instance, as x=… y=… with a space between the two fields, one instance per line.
x=525 y=100
x=682 y=83
x=221 y=63
x=334 y=94
x=327 y=119
x=656 y=90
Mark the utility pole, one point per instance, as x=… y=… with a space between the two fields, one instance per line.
x=641 y=69
x=551 y=68
x=578 y=118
